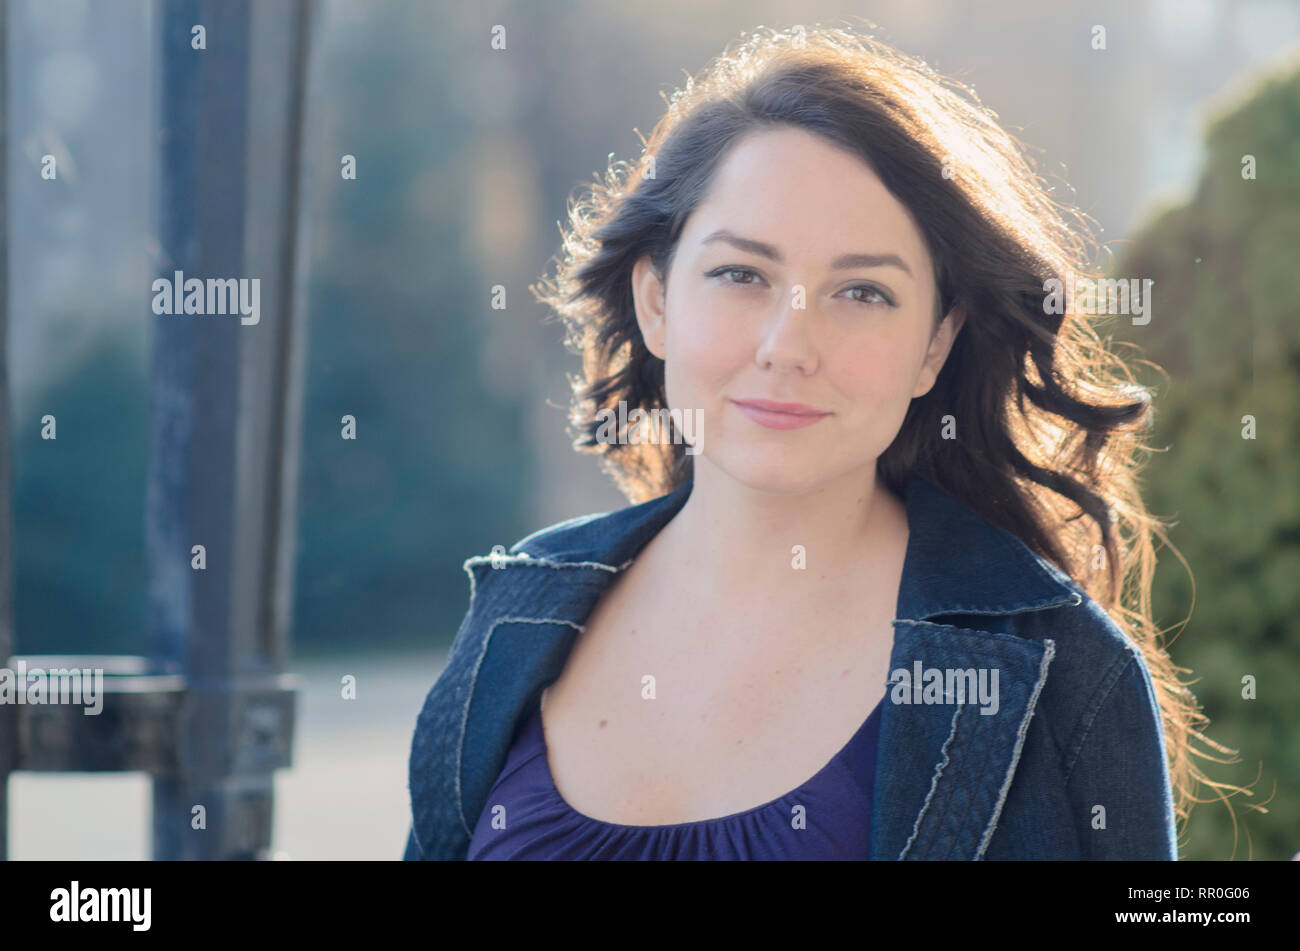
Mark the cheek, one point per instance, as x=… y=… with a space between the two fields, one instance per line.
x=706 y=345
x=880 y=378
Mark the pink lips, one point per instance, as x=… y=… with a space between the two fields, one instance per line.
x=776 y=415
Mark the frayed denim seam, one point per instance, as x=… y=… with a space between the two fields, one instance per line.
x=506 y=561
x=1074 y=600
x=469 y=696
x=1089 y=716
x=1048 y=654
x=473 y=584
x=934 y=783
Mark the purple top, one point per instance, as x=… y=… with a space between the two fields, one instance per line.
x=539 y=824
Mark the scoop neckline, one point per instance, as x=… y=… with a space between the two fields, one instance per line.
x=559 y=797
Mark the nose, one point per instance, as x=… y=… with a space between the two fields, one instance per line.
x=787 y=343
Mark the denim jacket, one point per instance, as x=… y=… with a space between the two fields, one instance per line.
x=1069 y=764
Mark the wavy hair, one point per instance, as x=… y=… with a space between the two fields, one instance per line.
x=1051 y=419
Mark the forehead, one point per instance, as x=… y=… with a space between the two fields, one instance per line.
x=810 y=198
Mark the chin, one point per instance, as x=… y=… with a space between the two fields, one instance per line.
x=785 y=476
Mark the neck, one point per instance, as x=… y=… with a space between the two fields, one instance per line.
x=744 y=547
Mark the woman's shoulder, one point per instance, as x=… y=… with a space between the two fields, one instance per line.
x=563 y=537
x=1096 y=667
x=1083 y=631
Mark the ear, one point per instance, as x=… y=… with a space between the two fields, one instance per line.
x=648 y=295
x=940 y=346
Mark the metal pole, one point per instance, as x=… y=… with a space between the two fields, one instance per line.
x=223 y=398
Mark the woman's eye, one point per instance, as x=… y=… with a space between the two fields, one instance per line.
x=742 y=271
x=874 y=295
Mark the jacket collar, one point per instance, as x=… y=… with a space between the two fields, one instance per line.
x=956 y=561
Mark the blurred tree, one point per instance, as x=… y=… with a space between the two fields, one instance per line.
x=78 y=534
x=1226 y=327
x=440 y=466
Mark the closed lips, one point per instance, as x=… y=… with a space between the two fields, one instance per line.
x=793 y=409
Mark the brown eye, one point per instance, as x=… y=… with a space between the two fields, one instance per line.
x=738 y=270
x=870 y=289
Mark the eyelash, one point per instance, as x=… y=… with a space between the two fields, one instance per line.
x=885 y=300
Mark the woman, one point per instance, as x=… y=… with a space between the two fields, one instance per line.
x=857 y=608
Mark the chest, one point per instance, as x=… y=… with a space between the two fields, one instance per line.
x=667 y=714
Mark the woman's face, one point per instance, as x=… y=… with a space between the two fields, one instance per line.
x=799 y=279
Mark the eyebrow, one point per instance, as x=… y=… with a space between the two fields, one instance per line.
x=842 y=262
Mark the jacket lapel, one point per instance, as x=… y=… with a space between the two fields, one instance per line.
x=943 y=769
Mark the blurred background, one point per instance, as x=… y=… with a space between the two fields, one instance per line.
x=465 y=158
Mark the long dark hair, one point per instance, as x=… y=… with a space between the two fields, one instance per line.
x=1049 y=420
